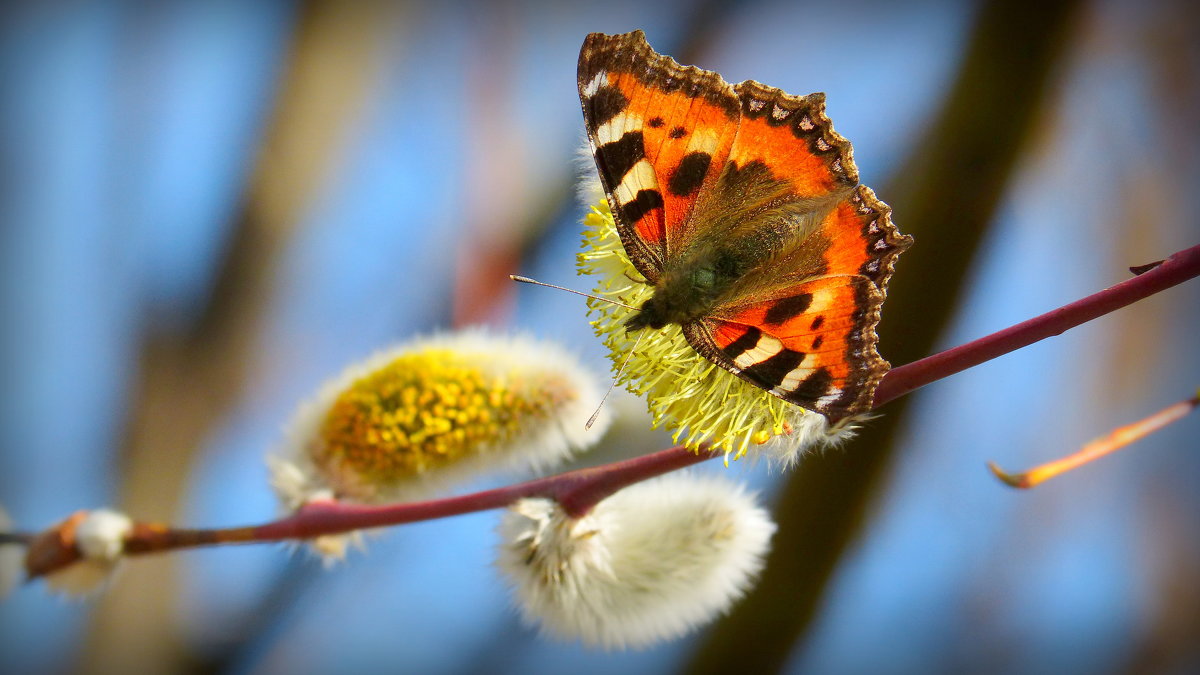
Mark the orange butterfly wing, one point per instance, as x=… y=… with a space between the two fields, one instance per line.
x=666 y=136
x=812 y=342
x=660 y=132
x=792 y=136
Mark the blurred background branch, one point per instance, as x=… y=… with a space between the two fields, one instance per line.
x=192 y=377
x=945 y=194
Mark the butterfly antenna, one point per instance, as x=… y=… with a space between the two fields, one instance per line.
x=592 y=419
x=535 y=282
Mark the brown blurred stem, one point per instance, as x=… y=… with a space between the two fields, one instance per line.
x=945 y=194
x=191 y=378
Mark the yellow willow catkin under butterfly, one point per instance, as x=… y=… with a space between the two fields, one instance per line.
x=685 y=393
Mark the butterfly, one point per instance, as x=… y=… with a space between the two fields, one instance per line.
x=741 y=206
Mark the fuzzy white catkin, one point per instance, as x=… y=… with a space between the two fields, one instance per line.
x=589 y=190
x=100 y=538
x=648 y=564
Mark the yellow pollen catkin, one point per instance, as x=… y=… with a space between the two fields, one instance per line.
x=686 y=393
x=424 y=411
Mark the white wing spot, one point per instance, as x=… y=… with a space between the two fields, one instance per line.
x=590 y=89
x=806 y=123
x=640 y=177
x=881 y=245
x=822 y=145
x=756 y=105
x=766 y=347
x=830 y=398
x=792 y=381
x=779 y=114
x=612 y=130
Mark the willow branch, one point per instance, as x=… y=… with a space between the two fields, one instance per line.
x=1174 y=270
x=578 y=491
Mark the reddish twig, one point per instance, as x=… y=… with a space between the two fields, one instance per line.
x=578 y=491
x=1174 y=270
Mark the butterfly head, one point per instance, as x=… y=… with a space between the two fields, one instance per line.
x=680 y=297
x=652 y=314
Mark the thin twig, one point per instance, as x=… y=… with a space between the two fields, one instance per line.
x=1174 y=270
x=576 y=491
x=1109 y=443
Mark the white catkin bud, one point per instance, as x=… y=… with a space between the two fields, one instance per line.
x=100 y=538
x=648 y=564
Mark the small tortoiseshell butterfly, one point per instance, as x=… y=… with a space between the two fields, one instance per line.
x=741 y=206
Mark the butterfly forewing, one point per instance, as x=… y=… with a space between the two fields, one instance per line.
x=792 y=136
x=660 y=133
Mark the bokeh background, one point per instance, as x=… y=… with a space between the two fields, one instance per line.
x=206 y=208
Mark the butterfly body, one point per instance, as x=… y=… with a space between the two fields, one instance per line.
x=741 y=207
x=690 y=289
x=697 y=280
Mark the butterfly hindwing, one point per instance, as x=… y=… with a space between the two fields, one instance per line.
x=809 y=346
x=817 y=316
